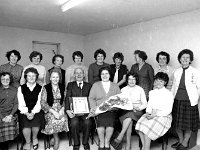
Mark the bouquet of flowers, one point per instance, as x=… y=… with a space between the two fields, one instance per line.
x=116 y=101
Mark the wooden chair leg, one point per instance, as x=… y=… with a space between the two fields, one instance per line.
x=70 y=138
x=164 y=142
x=140 y=143
x=17 y=142
x=22 y=142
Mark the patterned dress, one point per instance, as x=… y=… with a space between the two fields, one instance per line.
x=53 y=125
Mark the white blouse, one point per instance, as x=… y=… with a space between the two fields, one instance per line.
x=160 y=101
x=136 y=94
x=21 y=102
x=106 y=86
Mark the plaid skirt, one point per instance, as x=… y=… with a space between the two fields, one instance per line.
x=185 y=116
x=154 y=128
x=9 y=131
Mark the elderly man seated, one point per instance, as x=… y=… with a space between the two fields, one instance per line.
x=78 y=88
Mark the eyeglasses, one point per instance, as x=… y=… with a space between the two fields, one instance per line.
x=5 y=79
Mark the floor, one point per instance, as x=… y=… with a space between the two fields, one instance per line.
x=64 y=144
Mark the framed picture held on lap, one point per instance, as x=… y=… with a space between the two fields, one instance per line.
x=80 y=105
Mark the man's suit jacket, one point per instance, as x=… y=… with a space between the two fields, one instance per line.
x=74 y=91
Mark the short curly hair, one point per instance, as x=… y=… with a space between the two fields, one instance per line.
x=134 y=76
x=99 y=51
x=58 y=55
x=78 y=54
x=186 y=51
x=163 y=54
x=15 y=52
x=162 y=76
x=119 y=56
x=31 y=69
x=10 y=76
x=141 y=54
x=104 y=68
x=35 y=54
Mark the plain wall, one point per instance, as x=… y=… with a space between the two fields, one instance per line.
x=170 y=34
x=21 y=40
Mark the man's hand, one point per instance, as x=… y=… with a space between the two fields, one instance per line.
x=70 y=113
x=91 y=114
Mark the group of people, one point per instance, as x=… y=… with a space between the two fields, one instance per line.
x=33 y=99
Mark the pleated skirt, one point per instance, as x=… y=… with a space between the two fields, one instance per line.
x=185 y=116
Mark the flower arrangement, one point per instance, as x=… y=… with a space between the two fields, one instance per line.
x=116 y=101
x=107 y=105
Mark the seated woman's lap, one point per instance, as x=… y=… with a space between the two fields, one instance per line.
x=106 y=119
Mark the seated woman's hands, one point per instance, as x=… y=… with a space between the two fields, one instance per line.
x=7 y=118
x=29 y=116
x=136 y=109
x=61 y=112
x=151 y=115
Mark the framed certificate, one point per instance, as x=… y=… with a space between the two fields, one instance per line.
x=80 y=105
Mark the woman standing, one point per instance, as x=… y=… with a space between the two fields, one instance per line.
x=93 y=72
x=77 y=57
x=31 y=118
x=136 y=95
x=100 y=92
x=12 y=67
x=8 y=107
x=157 y=120
x=35 y=58
x=52 y=104
x=118 y=70
x=144 y=71
x=163 y=59
x=186 y=89
x=57 y=60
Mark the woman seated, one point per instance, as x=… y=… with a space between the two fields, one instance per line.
x=31 y=118
x=8 y=106
x=100 y=92
x=137 y=95
x=52 y=104
x=157 y=120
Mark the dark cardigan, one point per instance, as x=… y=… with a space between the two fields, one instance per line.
x=50 y=97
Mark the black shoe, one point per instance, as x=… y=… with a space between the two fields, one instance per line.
x=101 y=148
x=35 y=147
x=175 y=145
x=76 y=147
x=181 y=147
x=86 y=147
x=107 y=148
